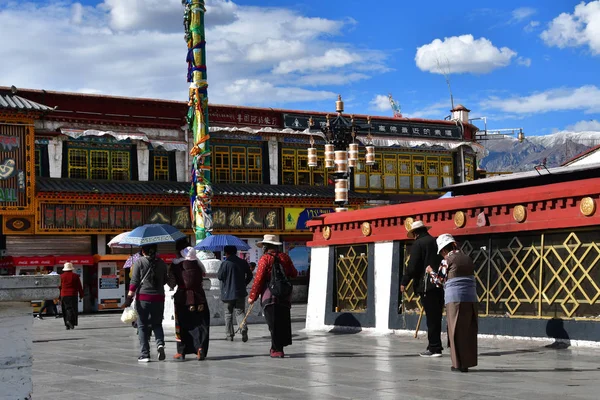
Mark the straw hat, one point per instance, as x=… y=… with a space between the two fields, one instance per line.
x=270 y=239
x=68 y=267
x=416 y=225
x=444 y=240
x=189 y=253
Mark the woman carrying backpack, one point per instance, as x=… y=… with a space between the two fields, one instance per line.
x=271 y=282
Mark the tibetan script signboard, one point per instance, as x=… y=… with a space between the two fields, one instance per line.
x=401 y=127
x=240 y=218
x=16 y=168
x=107 y=218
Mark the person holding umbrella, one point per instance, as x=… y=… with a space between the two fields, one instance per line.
x=274 y=264
x=148 y=287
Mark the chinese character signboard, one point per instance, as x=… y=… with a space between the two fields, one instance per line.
x=246 y=218
x=296 y=218
x=108 y=218
x=16 y=168
x=383 y=128
x=240 y=116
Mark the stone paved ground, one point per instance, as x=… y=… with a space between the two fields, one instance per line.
x=98 y=360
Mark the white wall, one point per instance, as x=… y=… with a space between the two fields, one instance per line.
x=383 y=281
x=273 y=161
x=317 y=290
x=55 y=151
x=181 y=167
x=143 y=155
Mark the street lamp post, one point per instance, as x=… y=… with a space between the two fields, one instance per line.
x=341 y=151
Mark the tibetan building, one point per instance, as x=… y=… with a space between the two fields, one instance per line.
x=88 y=167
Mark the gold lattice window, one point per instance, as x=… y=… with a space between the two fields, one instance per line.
x=404 y=175
x=376 y=174
x=351 y=278
x=469 y=171
x=254 y=165
x=238 y=165
x=288 y=166
x=360 y=174
x=303 y=171
x=390 y=172
x=433 y=172
x=119 y=165
x=99 y=164
x=161 y=167
x=221 y=164
x=447 y=171
x=418 y=164
x=78 y=164
x=319 y=175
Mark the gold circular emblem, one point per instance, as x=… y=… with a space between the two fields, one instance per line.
x=460 y=219
x=366 y=228
x=407 y=223
x=520 y=213
x=326 y=233
x=588 y=206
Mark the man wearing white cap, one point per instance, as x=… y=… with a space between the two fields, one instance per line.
x=424 y=253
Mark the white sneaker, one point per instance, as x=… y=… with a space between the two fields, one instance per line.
x=143 y=359
x=161 y=352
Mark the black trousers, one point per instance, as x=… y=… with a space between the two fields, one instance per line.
x=48 y=304
x=433 y=302
x=280 y=325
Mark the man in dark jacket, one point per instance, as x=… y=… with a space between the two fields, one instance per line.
x=424 y=253
x=234 y=274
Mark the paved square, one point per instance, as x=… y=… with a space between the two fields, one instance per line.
x=98 y=360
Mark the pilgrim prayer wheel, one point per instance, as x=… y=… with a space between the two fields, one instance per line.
x=352 y=155
x=329 y=156
x=370 y=156
x=341 y=190
x=341 y=161
x=312 y=157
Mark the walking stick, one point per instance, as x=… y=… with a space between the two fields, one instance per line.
x=246 y=317
x=419 y=323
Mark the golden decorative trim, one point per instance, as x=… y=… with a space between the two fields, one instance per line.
x=326 y=233
x=520 y=213
x=407 y=223
x=587 y=206
x=366 y=229
x=460 y=219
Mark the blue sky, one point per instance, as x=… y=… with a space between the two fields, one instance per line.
x=530 y=64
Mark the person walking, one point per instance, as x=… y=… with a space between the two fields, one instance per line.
x=234 y=274
x=148 y=287
x=192 y=316
x=48 y=304
x=424 y=253
x=276 y=309
x=457 y=273
x=70 y=287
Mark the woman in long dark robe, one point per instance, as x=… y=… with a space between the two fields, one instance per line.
x=192 y=317
x=276 y=310
x=458 y=272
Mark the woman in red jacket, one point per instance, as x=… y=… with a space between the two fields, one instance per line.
x=70 y=287
x=276 y=310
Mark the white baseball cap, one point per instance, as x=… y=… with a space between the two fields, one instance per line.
x=444 y=240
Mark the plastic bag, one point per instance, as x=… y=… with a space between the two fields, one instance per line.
x=129 y=315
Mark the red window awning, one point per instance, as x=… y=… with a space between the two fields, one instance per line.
x=75 y=260
x=38 y=261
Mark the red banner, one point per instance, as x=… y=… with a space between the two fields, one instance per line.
x=168 y=258
x=75 y=260
x=46 y=261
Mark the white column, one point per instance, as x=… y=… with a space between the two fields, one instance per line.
x=143 y=154
x=55 y=150
x=383 y=280
x=317 y=290
x=273 y=161
x=181 y=166
x=101 y=244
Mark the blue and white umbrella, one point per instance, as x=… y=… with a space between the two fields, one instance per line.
x=218 y=242
x=153 y=234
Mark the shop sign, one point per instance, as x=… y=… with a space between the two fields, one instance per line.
x=296 y=218
x=243 y=117
x=246 y=218
x=380 y=128
x=48 y=261
x=109 y=218
x=75 y=260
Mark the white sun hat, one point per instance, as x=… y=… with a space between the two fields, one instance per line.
x=271 y=239
x=444 y=240
x=414 y=226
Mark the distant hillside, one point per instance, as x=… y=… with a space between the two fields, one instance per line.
x=509 y=155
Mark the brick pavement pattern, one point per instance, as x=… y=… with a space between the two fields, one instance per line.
x=98 y=360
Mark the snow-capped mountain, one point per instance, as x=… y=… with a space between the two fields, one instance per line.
x=508 y=154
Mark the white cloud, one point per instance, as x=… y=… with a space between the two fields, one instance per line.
x=524 y=61
x=584 y=98
x=522 y=13
x=581 y=28
x=462 y=54
x=585 y=126
x=136 y=48
x=380 y=102
x=531 y=26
